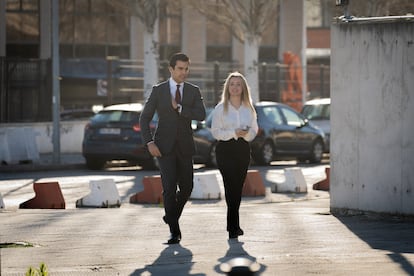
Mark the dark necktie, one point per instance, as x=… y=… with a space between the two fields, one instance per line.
x=178 y=95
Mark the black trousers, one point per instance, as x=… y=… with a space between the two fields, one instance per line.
x=176 y=172
x=233 y=158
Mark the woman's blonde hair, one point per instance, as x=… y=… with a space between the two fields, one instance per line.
x=246 y=99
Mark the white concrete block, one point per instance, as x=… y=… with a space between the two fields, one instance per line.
x=206 y=186
x=18 y=144
x=294 y=182
x=103 y=194
x=2 y=202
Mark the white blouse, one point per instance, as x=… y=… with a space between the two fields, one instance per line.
x=224 y=125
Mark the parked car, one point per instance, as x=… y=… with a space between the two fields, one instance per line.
x=76 y=114
x=113 y=134
x=318 y=111
x=284 y=134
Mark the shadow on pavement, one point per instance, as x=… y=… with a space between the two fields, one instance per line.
x=395 y=236
x=236 y=250
x=173 y=260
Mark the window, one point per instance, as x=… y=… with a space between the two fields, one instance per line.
x=219 y=42
x=273 y=115
x=292 y=118
x=22 y=28
x=91 y=28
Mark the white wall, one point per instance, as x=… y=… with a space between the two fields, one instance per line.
x=372 y=117
x=71 y=135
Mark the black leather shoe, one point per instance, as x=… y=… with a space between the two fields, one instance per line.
x=235 y=234
x=174 y=239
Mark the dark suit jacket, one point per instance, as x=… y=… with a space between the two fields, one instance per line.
x=172 y=127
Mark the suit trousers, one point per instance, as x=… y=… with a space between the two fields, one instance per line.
x=233 y=158
x=176 y=172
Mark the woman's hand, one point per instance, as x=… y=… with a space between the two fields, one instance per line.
x=241 y=132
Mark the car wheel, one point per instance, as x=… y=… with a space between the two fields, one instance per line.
x=266 y=154
x=95 y=164
x=212 y=162
x=317 y=152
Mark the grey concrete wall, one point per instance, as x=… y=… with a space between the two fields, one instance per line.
x=372 y=117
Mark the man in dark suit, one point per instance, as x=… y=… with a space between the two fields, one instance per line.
x=177 y=103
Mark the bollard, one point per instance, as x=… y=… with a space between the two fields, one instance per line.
x=206 y=186
x=324 y=184
x=253 y=184
x=1 y=202
x=103 y=194
x=152 y=192
x=47 y=196
x=294 y=182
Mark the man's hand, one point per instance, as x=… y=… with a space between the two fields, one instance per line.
x=153 y=149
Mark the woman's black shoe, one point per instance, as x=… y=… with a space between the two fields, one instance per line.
x=174 y=238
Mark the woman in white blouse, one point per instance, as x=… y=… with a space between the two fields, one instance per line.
x=234 y=125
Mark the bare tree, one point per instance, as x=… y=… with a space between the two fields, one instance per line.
x=247 y=19
x=147 y=11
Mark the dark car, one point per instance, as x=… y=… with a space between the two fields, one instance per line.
x=76 y=114
x=114 y=134
x=284 y=134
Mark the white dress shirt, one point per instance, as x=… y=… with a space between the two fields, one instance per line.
x=224 y=125
x=173 y=88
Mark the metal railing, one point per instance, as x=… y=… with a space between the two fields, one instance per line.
x=26 y=96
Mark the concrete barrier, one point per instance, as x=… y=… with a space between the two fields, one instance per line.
x=103 y=194
x=152 y=192
x=48 y=195
x=324 y=184
x=294 y=182
x=206 y=186
x=253 y=185
x=1 y=202
x=18 y=145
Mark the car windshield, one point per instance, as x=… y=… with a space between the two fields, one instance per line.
x=317 y=112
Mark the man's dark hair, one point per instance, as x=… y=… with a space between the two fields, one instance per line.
x=180 y=57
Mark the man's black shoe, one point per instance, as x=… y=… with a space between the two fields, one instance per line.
x=235 y=234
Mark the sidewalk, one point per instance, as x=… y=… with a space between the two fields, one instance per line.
x=46 y=162
x=296 y=236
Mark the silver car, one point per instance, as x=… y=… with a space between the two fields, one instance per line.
x=318 y=111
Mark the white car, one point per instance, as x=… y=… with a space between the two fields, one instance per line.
x=318 y=111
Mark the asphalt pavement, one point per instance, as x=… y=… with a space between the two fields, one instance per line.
x=285 y=234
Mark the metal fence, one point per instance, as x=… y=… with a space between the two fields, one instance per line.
x=25 y=90
x=210 y=76
x=26 y=96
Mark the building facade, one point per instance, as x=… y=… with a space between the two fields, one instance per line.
x=101 y=52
